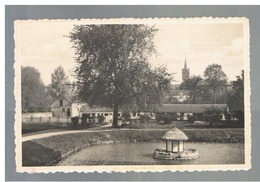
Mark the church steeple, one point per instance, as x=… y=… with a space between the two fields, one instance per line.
x=185 y=71
x=185 y=65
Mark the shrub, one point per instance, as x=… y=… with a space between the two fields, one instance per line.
x=159 y=117
x=213 y=115
x=144 y=118
x=126 y=116
x=181 y=116
x=101 y=119
x=75 y=120
x=84 y=119
x=228 y=117
x=191 y=118
x=167 y=118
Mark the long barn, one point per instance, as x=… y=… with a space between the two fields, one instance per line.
x=190 y=109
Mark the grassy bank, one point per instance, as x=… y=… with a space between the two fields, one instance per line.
x=182 y=125
x=46 y=126
x=62 y=144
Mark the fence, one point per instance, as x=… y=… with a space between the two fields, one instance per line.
x=49 y=119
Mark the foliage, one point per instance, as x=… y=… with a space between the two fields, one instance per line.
x=180 y=116
x=33 y=90
x=167 y=118
x=236 y=99
x=191 y=118
x=144 y=118
x=215 y=78
x=101 y=119
x=84 y=118
x=113 y=69
x=126 y=116
x=58 y=81
x=75 y=120
x=213 y=115
x=192 y=84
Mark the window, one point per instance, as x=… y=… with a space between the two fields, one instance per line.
x=63 y=109
x=134 y=114
x=61 y=102
x=106 y=114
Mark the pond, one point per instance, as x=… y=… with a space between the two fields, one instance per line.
x=141 y=153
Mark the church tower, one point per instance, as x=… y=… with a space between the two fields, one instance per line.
x=185 y=71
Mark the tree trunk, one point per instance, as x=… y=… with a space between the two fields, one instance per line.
x=214 y=97
x=193 y=98
x=115 y=116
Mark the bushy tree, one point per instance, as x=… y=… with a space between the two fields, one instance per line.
x=215 y=78
x=33 y=90
x=113 y=69
x=213 y=115
x=58 y=82
x=236 y=99
x=192 y=84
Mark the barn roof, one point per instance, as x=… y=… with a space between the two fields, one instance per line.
x=189 y=108
x=69 y=98
x=86 y=108
x=174 y=134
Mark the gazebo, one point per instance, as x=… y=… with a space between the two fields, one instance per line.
x=175 y=147
x=174 y=140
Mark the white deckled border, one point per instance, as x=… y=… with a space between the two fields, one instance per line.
x=136 y=168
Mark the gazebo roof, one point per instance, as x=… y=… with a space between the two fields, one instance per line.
x=174 y=134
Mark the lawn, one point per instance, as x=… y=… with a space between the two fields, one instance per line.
x=181 y=125
x=44 y=127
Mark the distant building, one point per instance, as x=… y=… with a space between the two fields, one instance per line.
x=61 y=107
x=189 y=109
x=176 y=96
x=185 y=72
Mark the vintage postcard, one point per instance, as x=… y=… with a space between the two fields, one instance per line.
x=119 y=95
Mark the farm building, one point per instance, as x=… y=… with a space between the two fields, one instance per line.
x=94 y=112
x=61 y=107
x=189 y=109
x=78 y=109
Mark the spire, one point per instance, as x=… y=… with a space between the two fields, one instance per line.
x=185 y=64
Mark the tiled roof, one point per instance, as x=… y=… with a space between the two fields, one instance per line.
x=189 y=108
x=174 y=134
x=87 y=108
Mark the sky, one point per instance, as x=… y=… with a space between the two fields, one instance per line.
x=44 y=45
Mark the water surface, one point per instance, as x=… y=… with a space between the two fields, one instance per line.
x=141 y=153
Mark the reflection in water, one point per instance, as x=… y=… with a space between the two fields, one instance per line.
x=141 y=153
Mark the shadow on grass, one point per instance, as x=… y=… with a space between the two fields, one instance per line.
x=34 y=154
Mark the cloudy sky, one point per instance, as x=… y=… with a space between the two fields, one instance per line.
x=42 y=44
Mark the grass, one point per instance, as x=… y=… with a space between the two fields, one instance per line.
x=35 y=154
x=182 y=125
x=49 y=127
x=68 y=142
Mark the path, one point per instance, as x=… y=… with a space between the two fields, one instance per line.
x=46 y=135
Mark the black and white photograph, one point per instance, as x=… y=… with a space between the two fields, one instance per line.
x=118 y=95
